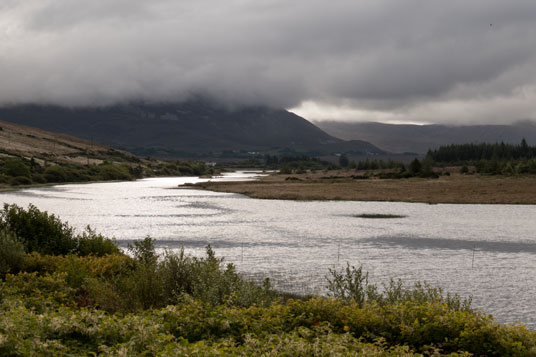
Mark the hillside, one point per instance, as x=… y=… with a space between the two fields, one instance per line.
x=191 y=129
x=29 y=142
x=31 y=156
x=420 y=138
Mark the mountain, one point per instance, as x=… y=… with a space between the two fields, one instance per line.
x=195 y=128
x=420 y=138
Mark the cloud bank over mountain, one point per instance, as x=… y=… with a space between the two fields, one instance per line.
x=389 y=60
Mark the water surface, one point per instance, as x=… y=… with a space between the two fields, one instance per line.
x=488 y=251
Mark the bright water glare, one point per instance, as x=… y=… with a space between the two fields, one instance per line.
x=487 y=251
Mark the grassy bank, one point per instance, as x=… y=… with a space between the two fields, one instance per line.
x=32 y=157
x=68 y=294
x=346 y=185
x=20 y=172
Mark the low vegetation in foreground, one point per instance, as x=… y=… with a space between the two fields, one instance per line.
x=68 y=294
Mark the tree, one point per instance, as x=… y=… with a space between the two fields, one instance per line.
x=415 y=166
x=343 y=161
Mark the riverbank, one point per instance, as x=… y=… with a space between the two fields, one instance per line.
x=349 y=185
x=79 y=295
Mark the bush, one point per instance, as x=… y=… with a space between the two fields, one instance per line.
x=39 y=292
x=56 y=173
x=4 y=178
x=38 y=178
x=47 y=234
x=105 y=267
x=39 y=231
x=352 y=286
x=113 y=172
x=285 y=169
x=11 y=252
x=16 y=167
x=156 y=281
x=210 y=281
x=20 y=180
x=91 y=243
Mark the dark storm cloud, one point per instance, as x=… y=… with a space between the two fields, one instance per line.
x=396 y=60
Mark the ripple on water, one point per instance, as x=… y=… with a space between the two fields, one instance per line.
x=483 y=250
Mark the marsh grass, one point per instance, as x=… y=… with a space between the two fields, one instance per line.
x=456 y=188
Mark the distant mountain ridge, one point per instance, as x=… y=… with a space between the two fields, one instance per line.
x=419 y=138
x=187 y=129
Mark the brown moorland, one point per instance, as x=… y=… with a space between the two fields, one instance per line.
x=25 y=141
x=340 y=185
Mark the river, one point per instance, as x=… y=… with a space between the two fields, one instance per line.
x=487 y=251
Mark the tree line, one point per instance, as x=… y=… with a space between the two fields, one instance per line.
x=494 y=159
x=465 y=153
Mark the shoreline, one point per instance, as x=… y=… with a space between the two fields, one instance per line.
x=340 y=186
x=49 y=184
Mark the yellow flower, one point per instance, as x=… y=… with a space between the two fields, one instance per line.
x=346 y=328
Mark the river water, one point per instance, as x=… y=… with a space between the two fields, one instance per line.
x=487 y=251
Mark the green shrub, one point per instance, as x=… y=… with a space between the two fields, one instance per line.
x=56 y=173
x=4 y=178
x=15 y=167
x=352 y=286
x=11 y=252
x=38 y=178
x=47 y=234
x=38 y=230
x=105 y=267
x=285 y=169
x=113 y=172
x=104 y=295
x=38 y=292
x=395 y=292
x=42 y=264
x=154 y=281
x=143 y=251
x=92 y=243
x=76 y=272
x=210 y=281
x=20 y=180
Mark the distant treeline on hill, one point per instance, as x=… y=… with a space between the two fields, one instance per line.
x=464 y=153
x=495 y=159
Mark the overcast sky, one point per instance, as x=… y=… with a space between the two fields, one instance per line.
x=454 y=61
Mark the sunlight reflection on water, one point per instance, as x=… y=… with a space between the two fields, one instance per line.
x=296 y=242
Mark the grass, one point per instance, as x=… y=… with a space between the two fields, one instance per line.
x=455 y=188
